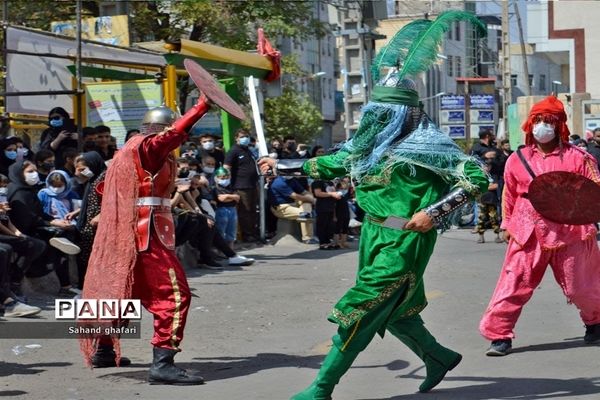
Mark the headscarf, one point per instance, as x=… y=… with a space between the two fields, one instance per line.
x=55 y=201
x=17 y=179
x=551 y=111
x=95 y=163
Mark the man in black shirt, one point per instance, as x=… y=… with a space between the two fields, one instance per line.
x=486 y=143
x=289 y=148
x=244 y=180
x=594 y=145
x=208 y=148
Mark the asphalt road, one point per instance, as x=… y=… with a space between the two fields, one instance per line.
x=260 y=332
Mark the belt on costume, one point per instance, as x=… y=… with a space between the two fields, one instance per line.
x=391 y=222
x=153 y=202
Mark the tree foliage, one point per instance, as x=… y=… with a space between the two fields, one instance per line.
x=292 y=113
x=227 y=23
x=41 y=13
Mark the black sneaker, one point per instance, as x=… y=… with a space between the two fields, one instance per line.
x=499 y=348
x=592 y=334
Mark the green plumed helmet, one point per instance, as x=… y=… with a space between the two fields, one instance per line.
x=222 y=172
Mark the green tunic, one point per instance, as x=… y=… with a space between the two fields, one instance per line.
x=390 y=259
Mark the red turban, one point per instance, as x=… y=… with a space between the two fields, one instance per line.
x=551 y=111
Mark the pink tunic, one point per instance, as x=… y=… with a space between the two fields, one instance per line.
x=519 y=216
x=570 y=250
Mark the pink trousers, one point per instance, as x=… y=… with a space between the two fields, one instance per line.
x=576 y=268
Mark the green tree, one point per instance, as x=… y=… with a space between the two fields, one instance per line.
x=292 y=113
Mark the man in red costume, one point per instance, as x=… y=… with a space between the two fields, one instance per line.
x=133 y=255
x=536 y=240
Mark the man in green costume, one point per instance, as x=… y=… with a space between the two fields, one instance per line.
x=406 y=169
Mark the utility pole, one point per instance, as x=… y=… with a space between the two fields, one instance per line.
x=523 y=53
x=506 y=82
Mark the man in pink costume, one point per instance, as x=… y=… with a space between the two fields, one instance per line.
x=534 y=242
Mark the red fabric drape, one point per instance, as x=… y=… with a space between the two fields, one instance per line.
x=265 y=49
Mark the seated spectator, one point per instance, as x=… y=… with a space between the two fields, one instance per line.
x=289 y=200
x=581 y=143
x=277 y=146
x=57 y=197
x=27 y=214
x=61 y=134
x=44 y=161
x=10 y=306
x=303 y=151
x=104 y=146
x=226 y=213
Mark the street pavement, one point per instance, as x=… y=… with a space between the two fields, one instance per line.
x=260 y=332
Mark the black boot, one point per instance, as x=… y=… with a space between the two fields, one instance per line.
x=164 y=372
x=105 y=357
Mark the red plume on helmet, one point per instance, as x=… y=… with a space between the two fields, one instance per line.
x=551 y=111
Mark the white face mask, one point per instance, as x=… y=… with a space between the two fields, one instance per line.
x=57 y=190
x=3 y=191
x=273 y=155
x=223 y=182
x=208 y=170
x=32 y=178
x=208 y=146
x=543 y=132
x=302 y=153
x=87 y=173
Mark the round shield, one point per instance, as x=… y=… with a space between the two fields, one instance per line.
x=565 y=198
x=209 y=87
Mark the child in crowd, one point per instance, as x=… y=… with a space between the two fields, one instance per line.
x=57 y=202
x=227 y=200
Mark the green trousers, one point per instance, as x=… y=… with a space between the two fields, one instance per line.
x=349 y=342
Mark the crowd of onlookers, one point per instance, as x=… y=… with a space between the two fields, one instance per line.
x=50 y=203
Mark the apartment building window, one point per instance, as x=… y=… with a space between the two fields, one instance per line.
x=457 y=31
x=542 y=82
x=458 y=66
x=330 y=86
x=530 y=80
x=513 y=80
x=450 y=65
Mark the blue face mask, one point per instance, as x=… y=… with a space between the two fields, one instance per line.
x=244 y=141
x=56 y=123
x=10 y=154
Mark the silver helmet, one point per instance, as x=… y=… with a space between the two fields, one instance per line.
x=157 y=119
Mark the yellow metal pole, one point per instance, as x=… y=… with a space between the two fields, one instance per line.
x=171 y=88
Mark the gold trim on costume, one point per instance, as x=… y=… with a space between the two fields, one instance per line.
x=351 y=335
x=176 y=312
x=348 y=319
x=313 y=168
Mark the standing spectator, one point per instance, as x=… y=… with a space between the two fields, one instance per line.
x=70 y=154
x=103 y=143
x=486 y=143
x=342 y=213
x=277 y=146
x=488 y=203
x=244 y=180
x=289 y=148
x=303 y=151
x=89 y=171
x=208 y=148
x=227 y=200
x=594 y=145
x=88 y=136
x=130 y=133
x=61 y=134
x=326 y=196
x=581 y=143
x=317 y=151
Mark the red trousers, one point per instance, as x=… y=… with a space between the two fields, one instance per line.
x=161 y=285
x=576 y=268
